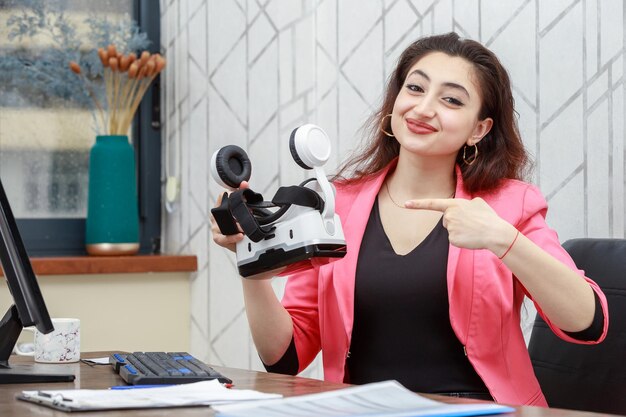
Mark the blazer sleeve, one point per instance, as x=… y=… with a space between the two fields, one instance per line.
x=301 y=302
x=533 y=225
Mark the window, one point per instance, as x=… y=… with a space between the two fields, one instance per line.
x=45 y=138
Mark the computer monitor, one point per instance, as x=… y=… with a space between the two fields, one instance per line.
x=29 y=308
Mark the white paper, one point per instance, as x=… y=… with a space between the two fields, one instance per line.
x=198 y=393
x=387 y=398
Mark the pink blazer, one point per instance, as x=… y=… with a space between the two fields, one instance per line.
x=484 y=297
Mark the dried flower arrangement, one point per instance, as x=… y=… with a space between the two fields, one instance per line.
x=39 y=77
x=126 y=79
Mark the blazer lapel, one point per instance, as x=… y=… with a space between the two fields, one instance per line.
x=459 y=277
x=344 y=271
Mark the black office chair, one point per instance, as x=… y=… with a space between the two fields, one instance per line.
x=588 y=377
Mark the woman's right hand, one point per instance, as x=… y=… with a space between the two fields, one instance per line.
x=270 y=323
x=229 y=242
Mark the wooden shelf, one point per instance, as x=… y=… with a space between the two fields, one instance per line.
x=85 y=265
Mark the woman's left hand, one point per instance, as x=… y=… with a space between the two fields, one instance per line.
x=471 y=224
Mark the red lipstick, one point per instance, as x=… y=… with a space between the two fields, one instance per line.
x=419 y=128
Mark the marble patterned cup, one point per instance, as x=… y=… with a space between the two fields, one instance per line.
x=62 y=345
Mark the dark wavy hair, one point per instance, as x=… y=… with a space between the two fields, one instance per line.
x=501 y=153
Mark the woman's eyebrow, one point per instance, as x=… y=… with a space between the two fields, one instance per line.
x=447 y=84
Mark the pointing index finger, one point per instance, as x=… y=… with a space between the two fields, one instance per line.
x=437 y=204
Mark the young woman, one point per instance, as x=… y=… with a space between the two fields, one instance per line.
x=444 y=240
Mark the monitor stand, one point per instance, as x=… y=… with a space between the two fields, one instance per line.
x=10 y=329
x=30 y=373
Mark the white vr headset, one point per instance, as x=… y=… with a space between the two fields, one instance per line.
x=298 y=227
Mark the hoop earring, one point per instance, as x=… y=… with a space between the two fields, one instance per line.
x=470 y=162
x=382 y=129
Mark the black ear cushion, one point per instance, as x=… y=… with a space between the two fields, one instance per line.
x=233 y=165
x=294 y=152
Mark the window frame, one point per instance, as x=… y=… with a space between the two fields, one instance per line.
x=66 y=236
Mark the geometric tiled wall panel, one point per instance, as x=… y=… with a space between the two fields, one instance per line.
x=247 y=72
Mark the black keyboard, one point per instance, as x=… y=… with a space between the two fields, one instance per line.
x=159 y=368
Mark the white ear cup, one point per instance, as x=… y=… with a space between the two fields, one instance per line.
x=216 y=175
x=310 y=145
x=230 y=166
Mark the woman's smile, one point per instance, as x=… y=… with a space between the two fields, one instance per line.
x=419 y=127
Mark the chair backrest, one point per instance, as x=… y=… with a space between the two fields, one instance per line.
x=588 y=377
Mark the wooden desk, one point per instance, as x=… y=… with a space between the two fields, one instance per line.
x=102 y=376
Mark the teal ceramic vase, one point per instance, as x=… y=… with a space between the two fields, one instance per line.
x=112 y=211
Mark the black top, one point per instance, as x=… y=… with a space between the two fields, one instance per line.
x=402 y=327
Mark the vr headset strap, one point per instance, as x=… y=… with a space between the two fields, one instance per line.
x=223 y=218
x=238 y=201
x=244 y=204
x=300 y=196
